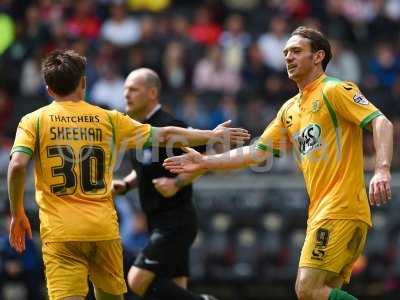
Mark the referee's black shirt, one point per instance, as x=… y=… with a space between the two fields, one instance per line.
x=152 y=202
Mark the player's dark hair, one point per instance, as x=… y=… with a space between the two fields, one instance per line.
x=62 y=71
x=318 y=42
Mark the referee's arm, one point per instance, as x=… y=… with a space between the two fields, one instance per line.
x=121 y=187
x=168 y=187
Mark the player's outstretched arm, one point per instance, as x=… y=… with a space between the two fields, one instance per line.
x=180 y=137
x=237 y=158
x=379 y=187
x=20 y=225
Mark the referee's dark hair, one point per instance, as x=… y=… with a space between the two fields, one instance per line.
x=318 y=42
x=62 y=71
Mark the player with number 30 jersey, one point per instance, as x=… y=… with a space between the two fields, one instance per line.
x=75 y=144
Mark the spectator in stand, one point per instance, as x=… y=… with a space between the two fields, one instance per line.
x=360 y=11
x=12 y=59
x=180 y=32
x=212 y=75
x=119 y=29
x=234 y=41
x=37 y=33
x=180 y=29
x=31 y=82
x=336 y=25
x=84 y=23
x=392 y=8
x=276 y=88
x=151 y=43
x=396 y=101
x=344 y=63
x=254 y=71
x=51 y=12
x=385 y=66
x=108 y=91
x=260 y=114
x=204 y=29
x=226 y=110
x=176 y=73
x=135 y=60
x=238 y=5
x=271 y=43
x=296 y=9
x=5 y=148
x=193 y=111
x=381 y=27
x=6 y=109
x=59 y=36
x=82 y=47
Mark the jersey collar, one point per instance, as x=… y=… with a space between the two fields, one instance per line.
x=313 y=84
x=68 y=102
x=309 y=88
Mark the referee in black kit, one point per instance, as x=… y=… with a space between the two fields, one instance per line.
x=161 y=269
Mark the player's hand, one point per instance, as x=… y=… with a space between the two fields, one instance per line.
x=379 y=187
x=165 y=186
x=190 y=162
x=118 y=187
x=232 y=135
x=19 y=227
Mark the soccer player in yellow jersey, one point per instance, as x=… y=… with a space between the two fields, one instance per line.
x=322 y=125
x=74 y=145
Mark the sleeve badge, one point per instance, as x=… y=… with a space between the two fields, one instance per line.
x=360 y=99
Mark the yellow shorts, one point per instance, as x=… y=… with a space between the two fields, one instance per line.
x=334 y=245
x=69 y=264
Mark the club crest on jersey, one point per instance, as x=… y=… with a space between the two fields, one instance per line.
x=309 y=138
x=360 y=99
x=315 y=106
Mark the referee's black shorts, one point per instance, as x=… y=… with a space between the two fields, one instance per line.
x=171 y=235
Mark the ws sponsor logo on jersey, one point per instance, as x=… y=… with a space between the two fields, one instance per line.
x=360 y=99
x=309 y=138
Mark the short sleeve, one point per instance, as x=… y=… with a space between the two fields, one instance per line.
x=351 y=104
x=25 y=136
x=131 y=133
x=274 y=138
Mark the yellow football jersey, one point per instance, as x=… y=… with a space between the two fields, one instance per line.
x=323 y=126
x=75 y=145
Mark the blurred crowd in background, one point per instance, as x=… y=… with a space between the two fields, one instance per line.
x=218 y=59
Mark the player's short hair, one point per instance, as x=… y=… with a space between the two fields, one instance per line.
x=318 y=42
x=62 y=71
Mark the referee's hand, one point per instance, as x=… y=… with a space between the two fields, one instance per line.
x=165 y=186
x=118 y=187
